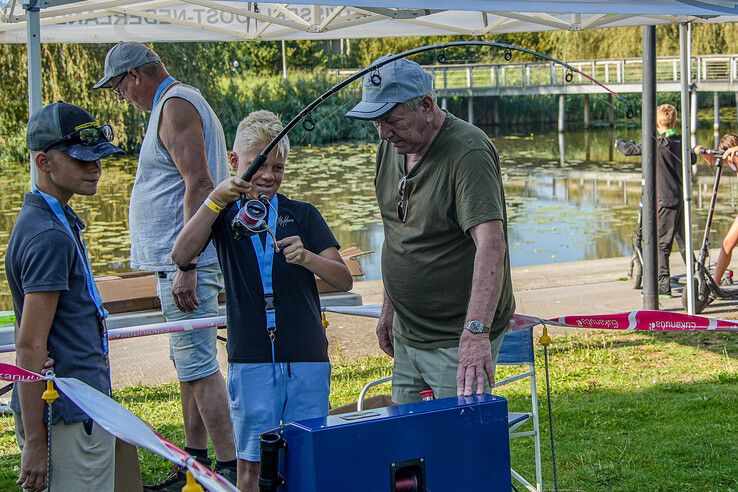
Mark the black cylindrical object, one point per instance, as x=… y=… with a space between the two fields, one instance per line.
x=648 y=118
x=269 y=478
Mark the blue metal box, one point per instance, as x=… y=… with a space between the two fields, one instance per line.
x=453 y=444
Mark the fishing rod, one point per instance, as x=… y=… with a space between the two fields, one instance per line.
x=376 y=79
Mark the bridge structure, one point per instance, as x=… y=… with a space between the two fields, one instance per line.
x=709 y=73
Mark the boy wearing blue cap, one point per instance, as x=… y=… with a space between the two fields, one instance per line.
x=57 y=306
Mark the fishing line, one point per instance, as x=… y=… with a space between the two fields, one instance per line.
x=548 y=400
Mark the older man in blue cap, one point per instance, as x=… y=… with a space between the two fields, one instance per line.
x=57 y=305
x=445 y=261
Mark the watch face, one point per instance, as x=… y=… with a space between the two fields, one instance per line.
x=475 y=326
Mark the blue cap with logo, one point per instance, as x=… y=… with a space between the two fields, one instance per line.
x=399 y=82
x=72 y=130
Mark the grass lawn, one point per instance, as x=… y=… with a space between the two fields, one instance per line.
x=632 y=412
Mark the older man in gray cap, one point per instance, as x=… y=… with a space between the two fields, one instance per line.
x=57 y=305
x=182 y=153
x=445 y=262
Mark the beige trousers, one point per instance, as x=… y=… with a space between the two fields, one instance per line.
x=80 y=460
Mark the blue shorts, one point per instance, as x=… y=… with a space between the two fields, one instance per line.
x=194 y=352
x=258 y=404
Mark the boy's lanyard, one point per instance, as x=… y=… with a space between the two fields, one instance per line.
x=265 y=259
x=89 y=279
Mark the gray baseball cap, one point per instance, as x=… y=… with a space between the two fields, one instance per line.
x=58 y=125
x=401 y=81
x=122 y=57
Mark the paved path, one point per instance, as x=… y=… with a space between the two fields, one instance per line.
x=583 y=287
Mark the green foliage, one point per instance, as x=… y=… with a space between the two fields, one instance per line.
x=239 y=77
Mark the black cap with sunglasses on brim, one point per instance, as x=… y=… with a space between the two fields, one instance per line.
x=72 y=130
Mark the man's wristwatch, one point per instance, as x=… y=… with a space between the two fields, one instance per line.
x=188 y=267
x=476 y=327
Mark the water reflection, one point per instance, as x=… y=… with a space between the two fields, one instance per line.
x=569 y=198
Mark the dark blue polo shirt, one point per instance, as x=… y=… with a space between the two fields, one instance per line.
x=42 y=257
x=300 y=336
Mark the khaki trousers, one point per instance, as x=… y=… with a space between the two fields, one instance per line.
x=416 y=370
x=80 y=460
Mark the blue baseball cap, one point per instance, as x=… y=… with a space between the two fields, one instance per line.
x=122 y=57
x=401 y=81
x=57 y=125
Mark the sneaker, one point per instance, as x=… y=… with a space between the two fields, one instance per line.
x=174 y=482
x=665 y=295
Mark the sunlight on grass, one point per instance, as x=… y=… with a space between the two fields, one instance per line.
x=631 y=411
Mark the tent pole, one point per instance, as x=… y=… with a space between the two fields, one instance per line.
x=684 y=41
x=648 y=118
x=33 y=43
x=284 y=61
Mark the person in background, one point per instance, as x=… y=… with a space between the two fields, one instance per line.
x=728 y=144
x=278 y=368
x=57 y=306
x=445 y=260
x=669 y=210
x=182 y=153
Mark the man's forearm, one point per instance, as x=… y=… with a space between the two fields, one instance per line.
x=487 y=280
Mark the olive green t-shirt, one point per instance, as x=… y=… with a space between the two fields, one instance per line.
x=428 y=261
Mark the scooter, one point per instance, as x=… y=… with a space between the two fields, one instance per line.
x=705 y=288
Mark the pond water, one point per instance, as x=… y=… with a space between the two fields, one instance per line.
x=582 y=205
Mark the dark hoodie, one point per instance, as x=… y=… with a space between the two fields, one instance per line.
x=668 y=166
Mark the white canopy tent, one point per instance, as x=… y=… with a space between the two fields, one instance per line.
x=101 y=21
x=107 y=21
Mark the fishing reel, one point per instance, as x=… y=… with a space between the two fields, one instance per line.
x=251 y=219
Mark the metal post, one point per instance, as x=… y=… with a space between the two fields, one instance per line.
x=586 y=111
x=444 y=103
x=610 y=112
x=562 y=114
x=562 y=150
x=693 y=117
x=693 y=91
x=686 y=165
x=470 y=109
x=648 y=125
x=284 y=60
x=33 y=43
x=716 y=119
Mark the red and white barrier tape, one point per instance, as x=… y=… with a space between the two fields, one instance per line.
x=120 y=422
x=633 y=320
x=153 y=329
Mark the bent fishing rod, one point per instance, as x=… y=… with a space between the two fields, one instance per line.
x=376 y=79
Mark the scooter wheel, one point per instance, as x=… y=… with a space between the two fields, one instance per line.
x=701 y=295
x=636 y=272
